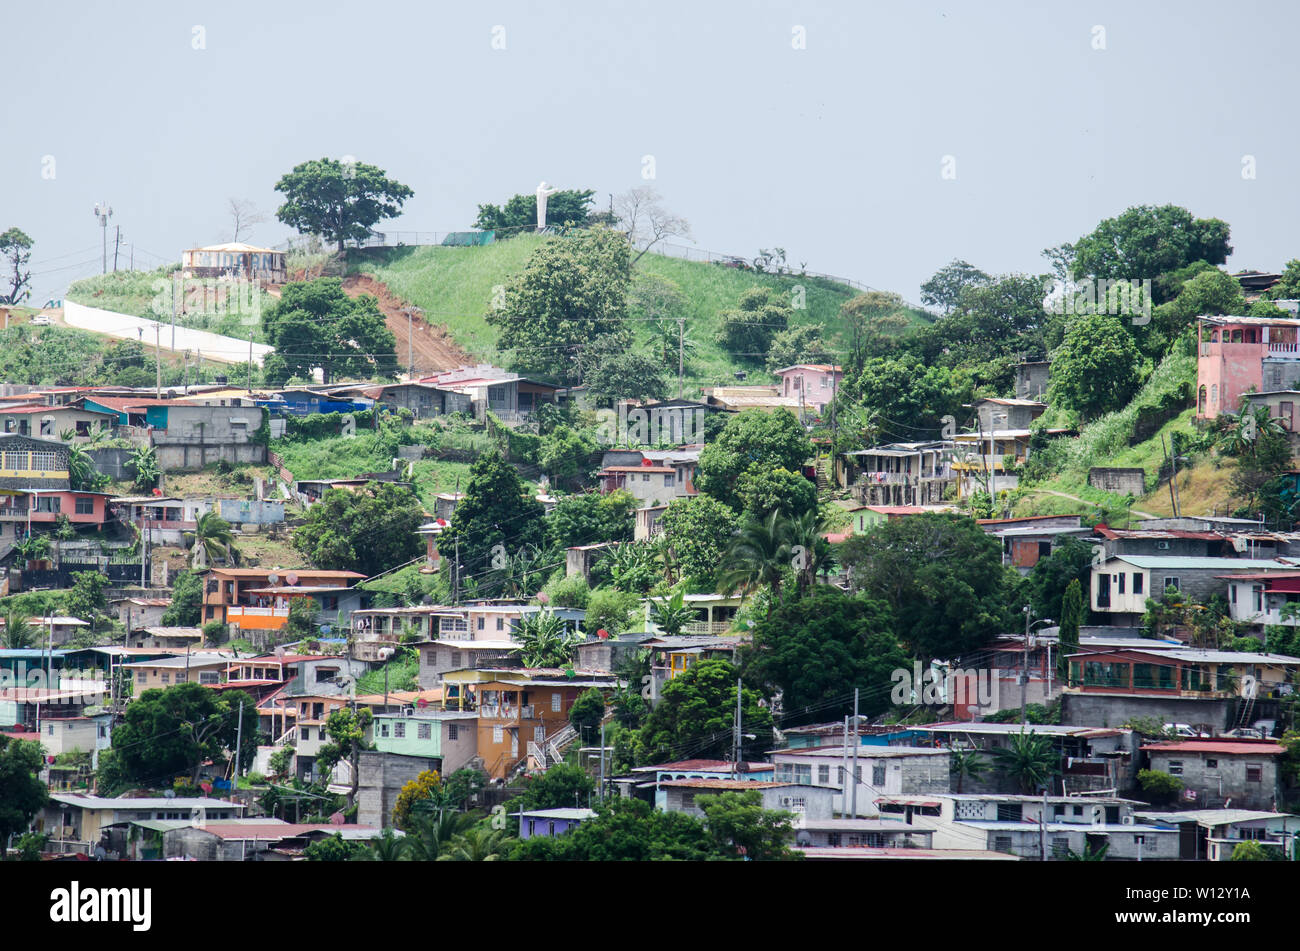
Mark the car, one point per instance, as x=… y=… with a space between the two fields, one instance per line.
x=1185 y=731
x=1245 y=733
x=40 y=320
x=1266 y=728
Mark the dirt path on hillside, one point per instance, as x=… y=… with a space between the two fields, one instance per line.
x=431 y=346
x=1075 y=498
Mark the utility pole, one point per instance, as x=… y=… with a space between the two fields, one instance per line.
x=174 y=290
x=1042 y=829
x=1173 y=492
x=239 y=739
x=1024 y=671
x=602 y=760
x=410 y=351
x=103 y=213
x=735 y=762
x=157 y=355
x=117 y=244
x=250 y=364
x=856 y=743
x=681 y=356
x=844 y=772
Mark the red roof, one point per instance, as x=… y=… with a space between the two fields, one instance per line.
x=636 y=469
x=1222 y=747
x=695 y=764
x=121 y=403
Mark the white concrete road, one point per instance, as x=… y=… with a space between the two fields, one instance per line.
x=213 y=346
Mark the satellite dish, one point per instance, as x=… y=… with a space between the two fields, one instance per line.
x=273 y=579
x=291 y=578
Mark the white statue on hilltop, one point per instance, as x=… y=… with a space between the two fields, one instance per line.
x=544 y=191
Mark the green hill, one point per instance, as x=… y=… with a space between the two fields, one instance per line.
x=455 y=286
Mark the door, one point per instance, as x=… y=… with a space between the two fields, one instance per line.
x=1103 y=590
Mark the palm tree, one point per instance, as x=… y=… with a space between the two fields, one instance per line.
x=966 y=763
x=633 y=568
x=430 y=835
x=212 y=535
x=671 y=614
x=544 y=640
x=759 y=555
x=1030 y=759
x=666 y=557
x=476 y=845
x=813 y=555
x=18 y=632
x=388 y=847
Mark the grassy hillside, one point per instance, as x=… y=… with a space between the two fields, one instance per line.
x=455 y=285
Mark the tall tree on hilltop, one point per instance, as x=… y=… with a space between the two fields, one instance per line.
x=340 y=201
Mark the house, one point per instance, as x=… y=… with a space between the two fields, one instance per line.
x=522 y=713
x=1090 y=758
x=1262 y=599
x=228 y=594
x=381 y=777
x=27 y=707
x=235 y=260
x=158 y=636
x=853 y=835
x=140 y=612
x=1178 y=685
x=652 y=780
x=186 y=434
x=163 y=519
x=51 y=422
x=739 y=398
x=28 y=464
x=647 y=522
x=994 y=414
x=1029 y=825
x=1240 y=355
x=448 y=736
x=804 y=800
x=422 y=399
x=684 y=462
x=813 y=384
x=882 y=770
x=671 y=655
x=1169 y=542
x=648 y=483
x=306 y=401
x=552 y=821
x=900 y=473
x=207 y=668
x=234 y=840
x=1028 y=539
x=439 y=656
x=1032 y=379
x=1121 y=584
x=83 y=734
x=492 y=389
x=580 y=559
x=79 y=820
x=1212 y=834
x=55 y=629
x=1222 y=772
x=714 y=614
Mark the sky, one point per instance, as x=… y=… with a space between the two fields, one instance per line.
x=874 y=141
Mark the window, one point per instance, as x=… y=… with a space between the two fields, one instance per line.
x=1175 y=767
x=645 y=477
x=496 y=394
x=1010 y=811
x=209 y=677
x=455 y=659
x=48 y=503
x=15 y=460
x=1139 y=840
x=423 y=731
x=166 y=678
x=1002 y=843
x=481 y=623
x=803 y=774
x=823 y=775
x=1121 y=582
x=498 y=735
x=85 y=505
x=555 y=702
x=501 y=624
x=399 y=730
x=383 y=729
x=1137 y=582
x=1258 y=592
x=453 y=733
x=877 y=775
x=1254 y=772
x=50 y=729
x=44 y=461
x=1060 y=847
x=668 y=481
x=1172 y=583
x=1233 y=589
x=1211 y=764
x=306 y=733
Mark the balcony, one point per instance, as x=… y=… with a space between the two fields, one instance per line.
x=707 y=627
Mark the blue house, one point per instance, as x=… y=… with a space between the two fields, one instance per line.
x=551 y=821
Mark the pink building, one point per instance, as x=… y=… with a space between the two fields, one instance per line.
x=1237 y=355
x=813 y=384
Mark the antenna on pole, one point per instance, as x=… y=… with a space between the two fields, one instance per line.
x=103 y=212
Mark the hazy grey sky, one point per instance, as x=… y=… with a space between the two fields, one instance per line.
x=834 y=151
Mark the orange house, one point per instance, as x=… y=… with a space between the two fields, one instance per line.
x=521 y=711
x=229 y=595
